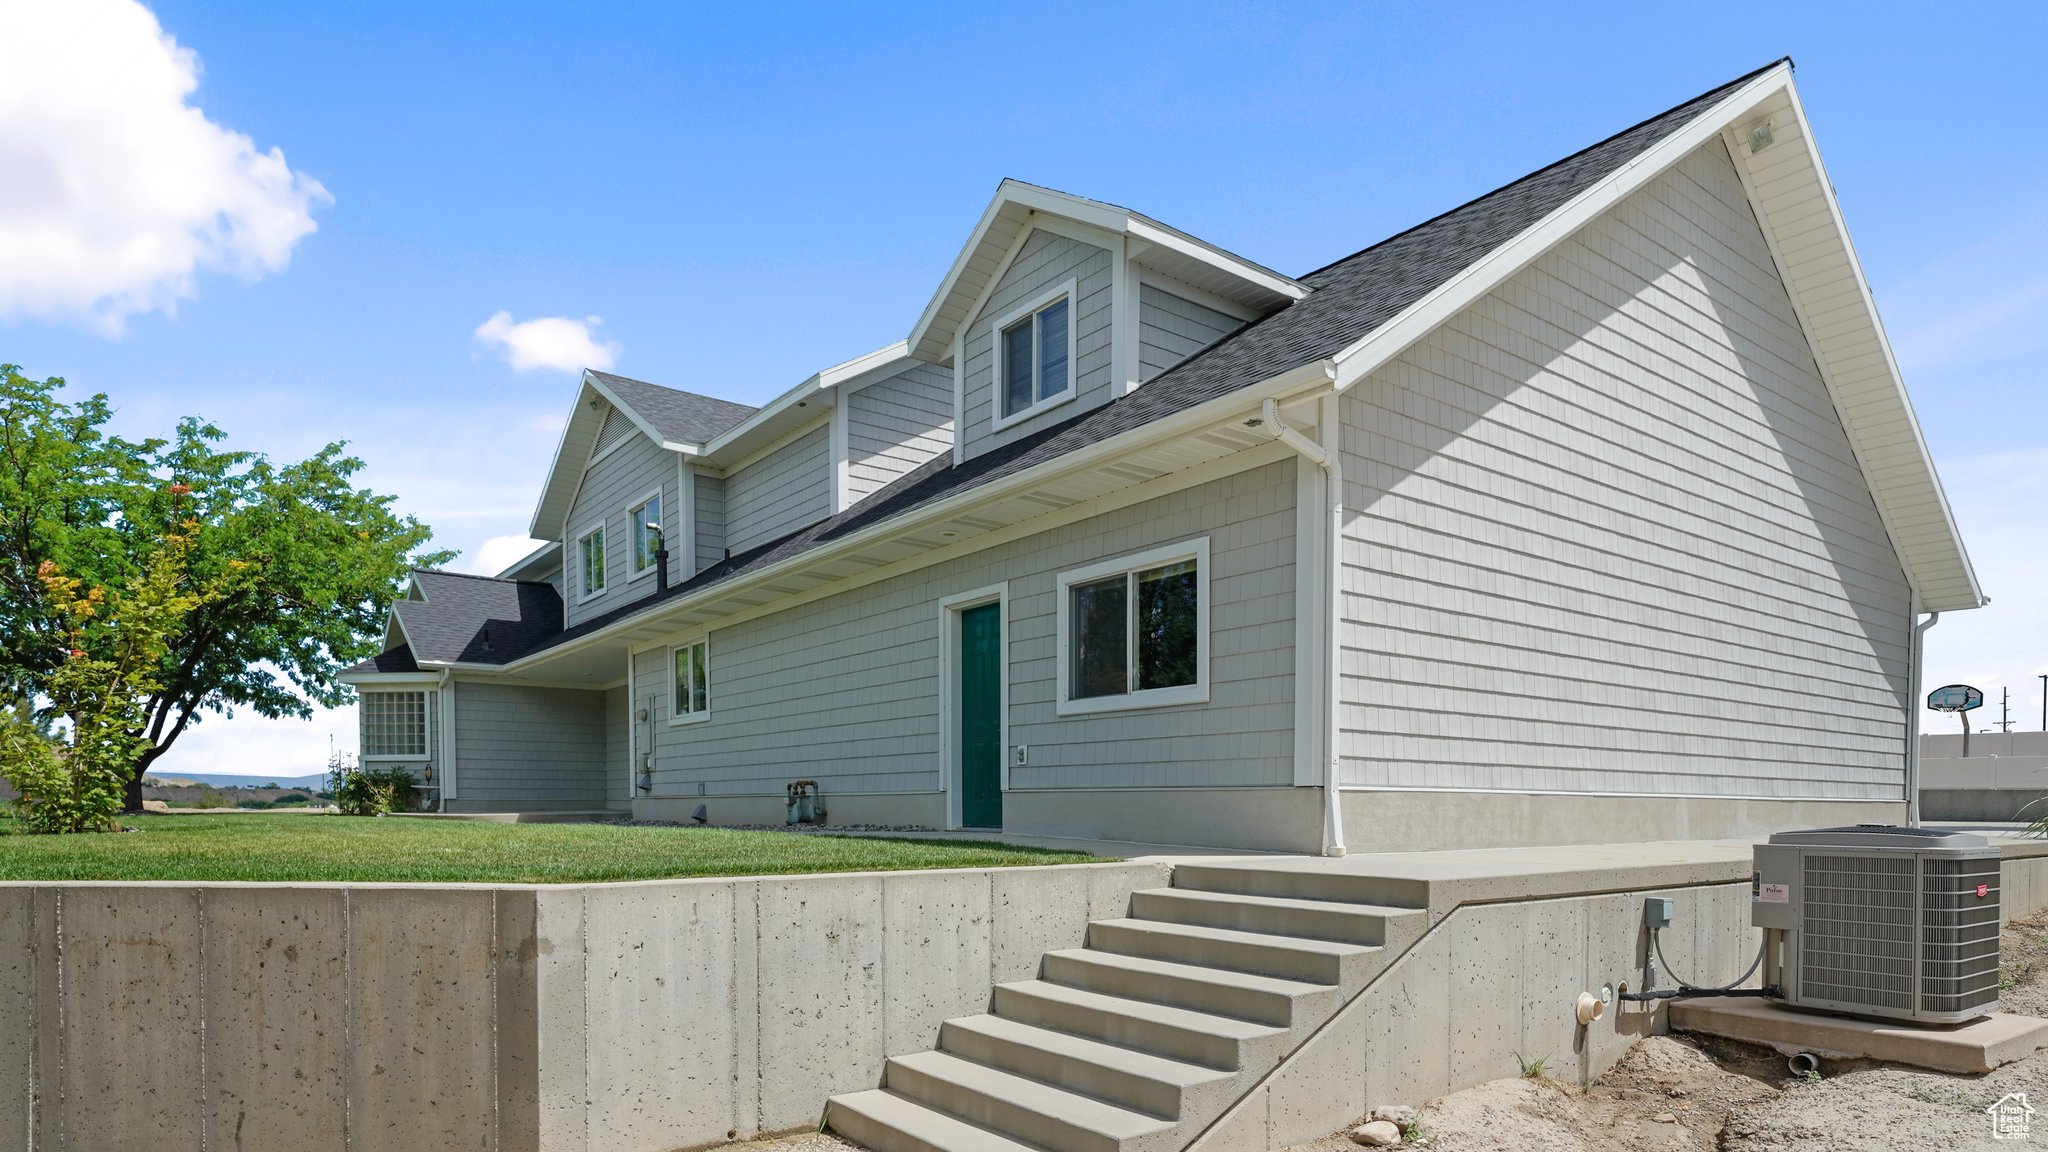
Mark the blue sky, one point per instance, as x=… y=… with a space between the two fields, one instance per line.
x=744 y=197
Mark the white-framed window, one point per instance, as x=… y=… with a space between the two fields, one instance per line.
x=1034 y=356
x=647 y=530
x=394 y=725
x=689 y=682
x=590 y=562
x=1134 y=631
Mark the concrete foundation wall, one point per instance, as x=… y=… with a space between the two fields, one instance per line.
x=1405 y=821
x=623 y=1017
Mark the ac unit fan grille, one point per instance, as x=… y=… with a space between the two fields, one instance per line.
x=1959 y=940
x=1857 y=937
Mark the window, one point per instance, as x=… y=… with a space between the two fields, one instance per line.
x=692 y=691
x=394 y=724
x=1134 y=632
x=1034 y=356
x=647 y=532
x=590 y=563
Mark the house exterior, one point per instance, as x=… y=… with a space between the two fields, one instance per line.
x=1592 y=508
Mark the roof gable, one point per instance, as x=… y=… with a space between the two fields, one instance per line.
x=1416 y=281
x=674 y=419
x=1019 y=207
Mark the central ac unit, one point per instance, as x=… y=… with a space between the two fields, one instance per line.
x=1876 y=920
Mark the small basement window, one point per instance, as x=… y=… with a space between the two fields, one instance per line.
x=646 y=534
x=590 y=563
x=394 y=725
x=692 y=691
x=1134 y=632
x=1034 y=356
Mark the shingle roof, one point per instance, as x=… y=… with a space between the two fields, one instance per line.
x=473 y=620
x=682 y=417
x=1351 y=298
x=397 y=659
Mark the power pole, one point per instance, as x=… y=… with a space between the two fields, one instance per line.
x=2044 y=701
x=2005 y=710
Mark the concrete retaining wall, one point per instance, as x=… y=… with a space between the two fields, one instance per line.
x=676 y=1014
x=622 y=1017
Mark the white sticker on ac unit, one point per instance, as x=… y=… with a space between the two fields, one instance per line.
x=1775 y=893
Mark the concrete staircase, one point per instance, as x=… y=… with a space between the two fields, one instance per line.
x=1167 y=1017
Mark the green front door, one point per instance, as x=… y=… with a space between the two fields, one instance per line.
x=981 y=716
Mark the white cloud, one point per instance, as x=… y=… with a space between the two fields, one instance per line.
x=117 y=191
x=499 y=553
x=548 y=342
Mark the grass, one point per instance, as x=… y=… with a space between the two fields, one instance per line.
x=316 y=848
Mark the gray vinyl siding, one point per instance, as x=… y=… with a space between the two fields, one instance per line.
x=788 y=489
x=845 y=689
x=521 y=742
x=1046 y=261
x=710 y=519
x=1172 y=328
x=618 y=735
x=1610 y=536
x=894 y=425
x=613 y=486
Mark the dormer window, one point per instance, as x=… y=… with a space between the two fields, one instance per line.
x=1034 y=356
x=590 y=562
x=646 y=534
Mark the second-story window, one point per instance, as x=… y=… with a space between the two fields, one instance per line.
x=590 y=562
x=647 y=532
x=1034 y=356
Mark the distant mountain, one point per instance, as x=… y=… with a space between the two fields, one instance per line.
x=224 y=780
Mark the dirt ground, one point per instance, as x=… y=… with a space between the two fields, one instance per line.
x=1697 y=1094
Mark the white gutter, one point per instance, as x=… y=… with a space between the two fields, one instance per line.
x=1333 y=651
x=1913 y=706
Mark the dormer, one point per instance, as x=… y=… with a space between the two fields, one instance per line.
x=1058 y=304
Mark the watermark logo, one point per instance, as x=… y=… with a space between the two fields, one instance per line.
x=2010 y=1117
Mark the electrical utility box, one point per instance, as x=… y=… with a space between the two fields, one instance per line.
x=1878 y=920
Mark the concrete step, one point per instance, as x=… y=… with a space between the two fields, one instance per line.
x=887 y=1122
x=1288 y=957
x=1275 y=915
x=1221 y=1042
x=1242 y=995
x=1138 y=1080
x=1303 y=884
x=1022 y=1108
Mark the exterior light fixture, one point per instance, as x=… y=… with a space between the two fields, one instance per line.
x=1759 y=136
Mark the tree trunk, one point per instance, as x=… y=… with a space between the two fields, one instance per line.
x=131 y=801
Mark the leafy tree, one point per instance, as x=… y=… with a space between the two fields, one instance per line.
x=63 y=483
x=305 y=563
x=115 y=645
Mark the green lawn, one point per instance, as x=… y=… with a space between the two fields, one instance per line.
x=283 y=847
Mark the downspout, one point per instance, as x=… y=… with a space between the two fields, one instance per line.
x=1913 y=706
x=1333 y=472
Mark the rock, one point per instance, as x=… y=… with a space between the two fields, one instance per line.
x=1377 y=1134
x=1397 y=1114
x=1665 y=1118
x=156 y=806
